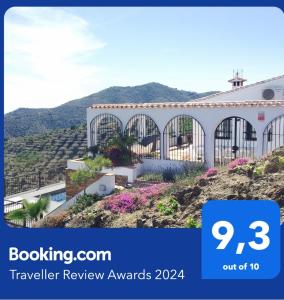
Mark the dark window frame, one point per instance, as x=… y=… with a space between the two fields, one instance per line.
x=250 y=133
x=224 y=130
x=270 y=135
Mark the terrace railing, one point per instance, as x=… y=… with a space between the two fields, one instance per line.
x=10 y=206
x=34 y=180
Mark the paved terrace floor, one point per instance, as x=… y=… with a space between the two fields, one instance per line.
x=33 y=195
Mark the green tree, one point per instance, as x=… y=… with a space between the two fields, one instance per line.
x=123 y=141
x=185 y=125
x=31 y=211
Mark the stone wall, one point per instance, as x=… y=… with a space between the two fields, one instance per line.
x=121 y=180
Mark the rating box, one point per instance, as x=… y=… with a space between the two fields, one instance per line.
x=240 y=239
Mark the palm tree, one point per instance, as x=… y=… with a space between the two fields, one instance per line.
x=29 y=211
x=123 y=141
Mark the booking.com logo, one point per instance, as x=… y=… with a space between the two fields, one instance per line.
x=67 y=256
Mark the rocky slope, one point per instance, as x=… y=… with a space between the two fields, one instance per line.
x=261 y=180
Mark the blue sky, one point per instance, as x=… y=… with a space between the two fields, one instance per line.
x=53 y=55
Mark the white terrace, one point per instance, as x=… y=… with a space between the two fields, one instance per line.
x=247 y=121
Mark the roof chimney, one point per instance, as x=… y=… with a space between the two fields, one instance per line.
x=237 y=80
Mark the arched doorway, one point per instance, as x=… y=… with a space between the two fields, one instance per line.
x=184 y=139
x=103 y=128
x=273 y=135
x=234 y=137
x=147 y=136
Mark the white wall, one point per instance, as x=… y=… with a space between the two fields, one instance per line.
x=103 y=186
x=131 y=172
x=152 y=165
x=208 y=117
x=250 y=92
x=75 y=164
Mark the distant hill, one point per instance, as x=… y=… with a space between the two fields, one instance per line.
x=27 y=121
x=47 y=152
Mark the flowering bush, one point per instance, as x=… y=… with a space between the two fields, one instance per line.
x=238 y=162
x=117 y=156
x=209 y=173
x=129 y=201
x=119 y=151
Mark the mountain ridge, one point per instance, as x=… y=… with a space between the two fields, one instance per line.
x=26 y=121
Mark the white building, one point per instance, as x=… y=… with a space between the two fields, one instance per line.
x=246 y=121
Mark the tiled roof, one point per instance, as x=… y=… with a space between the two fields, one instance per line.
x=252 y=103
x=237 y=89
x=237 y=78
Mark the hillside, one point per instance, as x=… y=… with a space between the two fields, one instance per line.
x=47 y=152
x=179 y=204
x=27 y=121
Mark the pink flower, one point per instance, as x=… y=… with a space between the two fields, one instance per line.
x=211 y=172
x=238 y=162
x=129 y=201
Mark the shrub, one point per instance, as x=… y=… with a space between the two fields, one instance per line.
x=98 y=163
x=271 y=167
x=118 y=150
x=187 y=177
x=127 y=202
x=83 y=202
x=152 y=177
x=169 y=175
x=118 y=156
x=238 y=162
x=93 y=166
x=93 y=150
x=192 y=169
x=258 y=171
x=59 y=220
x=29 y=210
x=211 y=172
x=80 y=176
x=192 y=223
x=168 y=206
x=124 y=203
x=281 y=161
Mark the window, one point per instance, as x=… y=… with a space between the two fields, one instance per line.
x=103 y=128
x=250 y=133
x=234 y=137
x=270 y=135
x=273 y=135
x=184 y=139
x=224 y=130
x=147 y=136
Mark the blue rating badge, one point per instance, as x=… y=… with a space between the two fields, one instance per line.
x=240 y=239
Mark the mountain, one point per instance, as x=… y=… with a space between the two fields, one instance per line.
x=26 y=121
